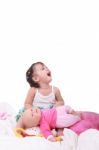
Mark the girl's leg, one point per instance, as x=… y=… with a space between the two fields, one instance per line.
x=92 y=117
x=81 y=126
x=89 y=120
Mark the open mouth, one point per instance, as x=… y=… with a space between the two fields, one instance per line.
x=49 y=74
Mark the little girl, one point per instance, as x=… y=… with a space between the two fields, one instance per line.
x=41 y=94
x=47 y=119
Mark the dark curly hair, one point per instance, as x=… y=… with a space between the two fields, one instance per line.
x=29 y=75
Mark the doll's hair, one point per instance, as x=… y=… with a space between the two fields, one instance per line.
x=30 y=73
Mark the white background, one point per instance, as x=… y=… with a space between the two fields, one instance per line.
x=64 y=35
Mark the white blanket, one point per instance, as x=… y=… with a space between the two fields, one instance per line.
x=88 y=140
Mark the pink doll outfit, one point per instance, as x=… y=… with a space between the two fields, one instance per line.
x=56 y=118
x=88 y=120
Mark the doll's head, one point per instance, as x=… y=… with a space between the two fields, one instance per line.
x=31 y=118
x=38 y=73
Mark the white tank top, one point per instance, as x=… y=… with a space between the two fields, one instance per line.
x=43 y=101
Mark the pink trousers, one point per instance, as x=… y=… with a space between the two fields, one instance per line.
x=88 y=120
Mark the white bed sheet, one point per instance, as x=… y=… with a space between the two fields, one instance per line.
x=89 y=140
x=28 y=143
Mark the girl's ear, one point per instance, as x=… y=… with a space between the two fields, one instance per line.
x=35 y=78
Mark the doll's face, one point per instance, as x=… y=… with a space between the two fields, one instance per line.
x=31 y=118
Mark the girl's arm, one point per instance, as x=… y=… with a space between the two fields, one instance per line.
x=20 y=123
x=59 y=99
x=29 y=98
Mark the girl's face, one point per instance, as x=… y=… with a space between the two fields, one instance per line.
x=31 y=117
x=42 y=73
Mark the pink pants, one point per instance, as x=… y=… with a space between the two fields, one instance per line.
x=88 y=120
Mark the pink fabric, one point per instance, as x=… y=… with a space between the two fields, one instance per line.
x=4 y=115
x=48 y=121
x=56 y=117
x=50 y=116
x=64 y=119
x=88 y=120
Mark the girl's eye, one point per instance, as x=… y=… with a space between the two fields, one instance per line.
x=43 y=68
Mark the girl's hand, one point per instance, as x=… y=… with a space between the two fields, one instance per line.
x=52 y=138
x=76 y=113
x=60 y=132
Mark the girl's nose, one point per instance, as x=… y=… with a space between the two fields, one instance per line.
x=46 y=68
